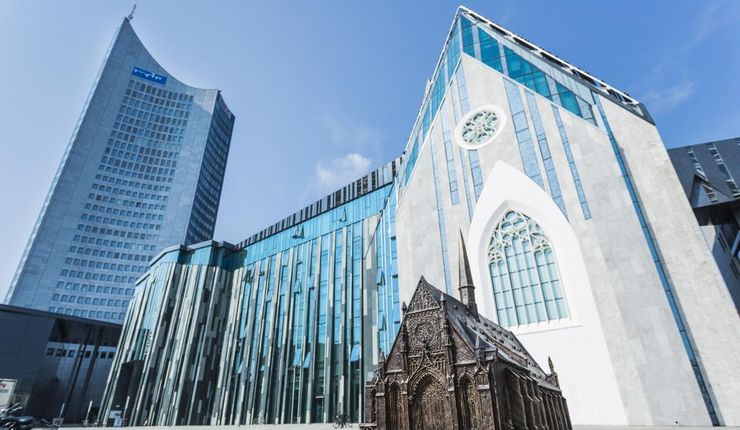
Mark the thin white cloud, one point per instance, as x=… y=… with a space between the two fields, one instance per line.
x=717 y=15
x=334 y=174
x=341 y=171
x=669 y=85
x=356 y=146
x=662 y=100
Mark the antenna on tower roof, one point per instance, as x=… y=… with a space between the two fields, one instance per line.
x=131 y=15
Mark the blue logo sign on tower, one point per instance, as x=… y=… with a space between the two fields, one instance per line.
x=149 y=75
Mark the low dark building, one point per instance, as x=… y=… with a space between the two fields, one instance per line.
x=451 y=368
x=60 y=363
x=710 y=177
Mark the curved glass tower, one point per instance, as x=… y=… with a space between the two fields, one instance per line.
x=143 y=170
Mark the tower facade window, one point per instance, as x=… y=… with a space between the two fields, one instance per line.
x=524 y=273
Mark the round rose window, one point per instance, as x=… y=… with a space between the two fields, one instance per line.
x=480 y=127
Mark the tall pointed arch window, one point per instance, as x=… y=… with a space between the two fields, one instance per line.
x=524 y=273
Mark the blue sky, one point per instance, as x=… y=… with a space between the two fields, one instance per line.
x=325 y=91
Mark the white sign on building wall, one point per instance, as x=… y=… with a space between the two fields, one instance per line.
x=6 y=392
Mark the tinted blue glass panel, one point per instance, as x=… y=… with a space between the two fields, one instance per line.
x=489 y=50
x=572 y=164
x=476 y=172
x=425 y=123
x=440 y=218
x=450 y=162
x=568 y=99
x=523 y=136
x=552 y=179
x=540 y=83
x=453 y=51
x=467 y=32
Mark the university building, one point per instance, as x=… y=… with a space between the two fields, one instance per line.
x=581 y=243
x=143 y=170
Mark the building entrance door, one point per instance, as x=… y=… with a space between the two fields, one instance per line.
x=431 y=408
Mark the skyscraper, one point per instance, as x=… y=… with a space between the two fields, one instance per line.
x=143 y=170
x=580 y=238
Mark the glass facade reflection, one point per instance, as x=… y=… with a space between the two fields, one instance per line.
x=285 y=324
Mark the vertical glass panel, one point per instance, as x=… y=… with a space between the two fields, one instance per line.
x=467 y=32
x=489 y=50
x=552 y=178
x=523 y=136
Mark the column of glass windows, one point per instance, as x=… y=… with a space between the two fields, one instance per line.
x=257 y=318
x=523 y=137
x=390 y=269
x=475 y=171
x=266 y=333
x=572 y=164
x=277 y=385
x=386 y=278
x=440 y=217
x=244 y=319
x=320 y=352
x=432 y=101
x=539 y=129
x=456 y=109
x=296 y=351
x=250 y=321
x=356 y=355
x=381 y=297
x=450 y=160
x=208 y=189
x=308 y=374
x=389 y=218
x=337 y=351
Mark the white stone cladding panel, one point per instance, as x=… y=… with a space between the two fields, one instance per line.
x=417 y=231
x=487 y=87
x=712 y=320
x=620 y=266
x=655 y=378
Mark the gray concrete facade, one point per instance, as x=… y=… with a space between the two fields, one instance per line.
x=60 y=363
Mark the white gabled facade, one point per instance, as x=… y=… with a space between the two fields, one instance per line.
x=625 y=353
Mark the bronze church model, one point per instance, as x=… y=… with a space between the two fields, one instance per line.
x=451 y=368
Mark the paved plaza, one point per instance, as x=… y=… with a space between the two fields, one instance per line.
x=355 y=426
